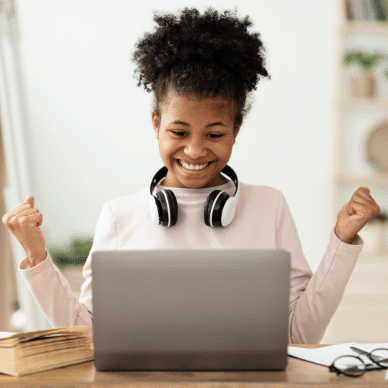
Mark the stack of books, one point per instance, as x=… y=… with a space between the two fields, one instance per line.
x=364 y=10
x=36 y=351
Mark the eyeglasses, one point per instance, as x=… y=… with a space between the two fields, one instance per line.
x=354 y=366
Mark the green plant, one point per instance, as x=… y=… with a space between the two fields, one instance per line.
x=74 y=253
x=367 y=61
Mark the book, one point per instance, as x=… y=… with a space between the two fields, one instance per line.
x=366 y=10
x=356 y=9
x=327 y=354
x=35 y=351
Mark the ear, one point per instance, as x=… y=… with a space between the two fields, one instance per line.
x=155 y=123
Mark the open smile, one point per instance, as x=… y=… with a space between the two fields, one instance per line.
x=195 y=167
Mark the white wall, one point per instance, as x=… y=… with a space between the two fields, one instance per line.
x=89 y=130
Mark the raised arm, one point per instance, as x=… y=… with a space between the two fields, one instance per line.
x=314 y=298
x=47 y=284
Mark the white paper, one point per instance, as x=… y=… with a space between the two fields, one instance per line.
x=327 y=354
x=5 y=334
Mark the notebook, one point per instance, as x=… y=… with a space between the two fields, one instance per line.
x=190 y=309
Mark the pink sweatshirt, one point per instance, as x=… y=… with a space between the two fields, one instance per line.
x=263 y=221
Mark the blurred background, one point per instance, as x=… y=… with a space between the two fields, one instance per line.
x=76 y=130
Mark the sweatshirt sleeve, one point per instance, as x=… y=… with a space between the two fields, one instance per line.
x=51 y=289
x=314 y=298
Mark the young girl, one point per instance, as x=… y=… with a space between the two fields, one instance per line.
x=201 y=69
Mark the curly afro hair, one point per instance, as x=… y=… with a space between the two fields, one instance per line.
x=205 y=55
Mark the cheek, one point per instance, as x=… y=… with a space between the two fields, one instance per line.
x=165 y=147
x=223 y=148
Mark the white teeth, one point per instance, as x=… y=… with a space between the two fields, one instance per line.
x=190 y=167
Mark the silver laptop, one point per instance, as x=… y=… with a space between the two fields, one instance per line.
x=191 y=309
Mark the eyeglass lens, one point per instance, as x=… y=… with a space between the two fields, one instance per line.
x=380 y=357
x=350 y=365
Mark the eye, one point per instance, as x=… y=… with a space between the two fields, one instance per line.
x=215 y=135
x=179 y=133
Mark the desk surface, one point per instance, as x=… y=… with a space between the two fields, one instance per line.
x=298 y=374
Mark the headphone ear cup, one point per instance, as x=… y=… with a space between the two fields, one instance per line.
x=173 y=206
x=167 y=207
x=214 y=204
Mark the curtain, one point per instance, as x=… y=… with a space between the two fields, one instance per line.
x=17 y=183
x=7 y=270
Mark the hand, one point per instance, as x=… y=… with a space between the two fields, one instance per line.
x=24 y=222
x=355 y=214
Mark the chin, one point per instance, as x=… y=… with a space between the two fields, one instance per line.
x=198 y=184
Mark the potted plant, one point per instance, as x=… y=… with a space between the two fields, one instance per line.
x=70 y=260
x=364 y=83
x=73 y=254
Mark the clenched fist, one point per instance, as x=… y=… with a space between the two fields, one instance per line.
x=24 y=222
x=355 y=214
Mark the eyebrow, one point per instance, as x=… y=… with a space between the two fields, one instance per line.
x=207 y=126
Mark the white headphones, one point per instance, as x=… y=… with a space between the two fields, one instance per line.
x=219 y=206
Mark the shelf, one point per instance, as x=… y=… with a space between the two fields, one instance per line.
x=375 y=27
x=362 y=181
x=359 y=322
x=365 y=103
x=355 y=300
x=363 y=312
x=372 y=258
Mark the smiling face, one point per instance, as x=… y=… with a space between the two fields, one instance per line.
x=196 y=138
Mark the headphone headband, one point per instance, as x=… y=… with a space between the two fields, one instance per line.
x=158 y=177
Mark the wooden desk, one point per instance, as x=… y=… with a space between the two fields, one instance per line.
x=298 y=374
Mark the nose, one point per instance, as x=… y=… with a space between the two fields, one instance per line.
x=195 y=149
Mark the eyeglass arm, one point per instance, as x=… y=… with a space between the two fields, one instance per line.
x=365 y=353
